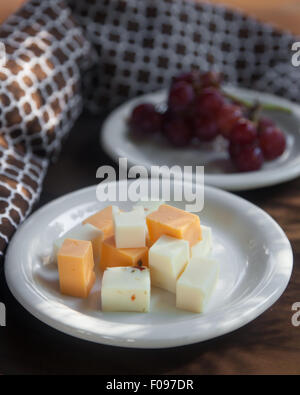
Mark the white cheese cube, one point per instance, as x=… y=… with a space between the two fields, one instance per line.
x=130 y=228
x=195 y=285
x=115 y=210
x=86 y=232
x=167 y=259
x=149 y=205
x=126 y=289
x=203 y=247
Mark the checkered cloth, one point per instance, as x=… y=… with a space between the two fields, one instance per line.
x=39 y=101
x=142 y=44
x=125 y=48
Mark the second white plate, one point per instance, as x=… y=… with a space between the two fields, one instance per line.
x=218 y=169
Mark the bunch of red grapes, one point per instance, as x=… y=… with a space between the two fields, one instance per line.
x=198 y=109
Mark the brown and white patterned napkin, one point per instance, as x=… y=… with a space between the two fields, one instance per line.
x=139 y=46
x=39 y=101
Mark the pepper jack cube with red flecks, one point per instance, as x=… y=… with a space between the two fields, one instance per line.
x=126 y=289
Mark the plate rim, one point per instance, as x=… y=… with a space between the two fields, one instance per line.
x=230 y=182
x=140 y=342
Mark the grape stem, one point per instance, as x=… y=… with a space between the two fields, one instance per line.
x=264 y=106
x=255 y=112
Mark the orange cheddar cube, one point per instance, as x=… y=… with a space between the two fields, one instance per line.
x=103 y=220
x=76 y=267
x=111 y=256
x=149 y=243
x=171 y=221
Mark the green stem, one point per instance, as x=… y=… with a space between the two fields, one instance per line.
x=255 y=112
x=264 y=106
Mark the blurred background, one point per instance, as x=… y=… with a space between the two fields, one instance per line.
x=284 y=15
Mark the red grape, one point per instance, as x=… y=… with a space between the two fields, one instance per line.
x=234 y=150
x=228 y=115
x=272 y=142
x=145 y=119
x=209 y=102
x=177 y=130
x=243 y=132
x=180 y=96
x=206 y=129
x=247 y=157
x=190 y=77
x=264 y=123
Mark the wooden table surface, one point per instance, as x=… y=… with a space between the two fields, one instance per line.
x=269 y=344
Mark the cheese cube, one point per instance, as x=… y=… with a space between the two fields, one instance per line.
x=203 y=247
x=76 y=267
x=130 y=228
x=149 y=205
x=112 y=256
x=174 y=222
x=167 y=260
x=103 y=220
x=126 y=289
x=195 y=285
x=148 y=241
x=86 y=232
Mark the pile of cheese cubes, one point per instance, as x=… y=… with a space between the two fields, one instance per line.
x=153 y=244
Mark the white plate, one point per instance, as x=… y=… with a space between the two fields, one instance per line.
x=254 y=253
x=218 y=169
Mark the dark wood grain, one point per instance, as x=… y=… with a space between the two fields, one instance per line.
x=269 y=344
